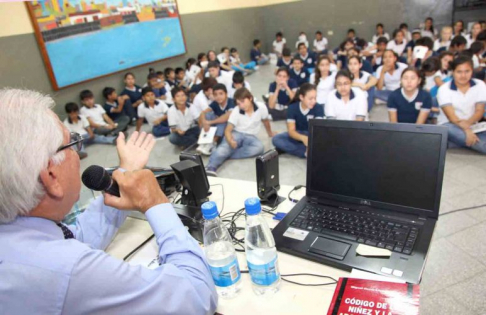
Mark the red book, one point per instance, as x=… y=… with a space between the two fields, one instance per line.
x=358 y=296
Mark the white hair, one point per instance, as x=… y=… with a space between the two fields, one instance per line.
x=30 y=135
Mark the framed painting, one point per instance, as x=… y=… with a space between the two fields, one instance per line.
x=81 y=40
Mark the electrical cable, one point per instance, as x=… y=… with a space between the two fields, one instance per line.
x=334 y=281
x=138 y=247
x=294 y=189
x=462 y=209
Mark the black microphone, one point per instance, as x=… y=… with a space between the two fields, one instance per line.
x=97 y=178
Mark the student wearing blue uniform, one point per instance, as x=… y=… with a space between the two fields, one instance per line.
x=133 y=91
x=462 y=103
x=256 y=55
x=365 y=64
x=343 y=52
x=308 y=57
x=377 y=59
x=119 y=108
x=282 y=91
x=157 y=86
x=286 y=60
x=416 y=35
x=295 y=141
x=298 y=72
x=362 y=79
x=169 y=75
x=217 y=113
x=410 y=104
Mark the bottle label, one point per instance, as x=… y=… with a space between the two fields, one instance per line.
x=227 y=275
x=264 y=274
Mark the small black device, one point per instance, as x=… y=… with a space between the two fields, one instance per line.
x=376 y=184
x=192 y=218
x=268 y=182
x=194 y=182
x=196 y=157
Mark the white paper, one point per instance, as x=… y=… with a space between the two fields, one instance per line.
x=479 y=127
x=359 y=274
x=419 y=52
x=207 y=137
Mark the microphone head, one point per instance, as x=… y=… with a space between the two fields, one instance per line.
x=96 y=178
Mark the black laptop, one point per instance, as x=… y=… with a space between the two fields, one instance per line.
x=376 y=184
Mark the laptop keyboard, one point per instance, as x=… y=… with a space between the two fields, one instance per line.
x=352 y=226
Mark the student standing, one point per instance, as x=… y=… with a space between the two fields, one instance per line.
x=155 y=112
x=380 y=32
x=182 y=123
x=203 y=97
x=101 y=123
x=389 y=75
x=133 y=91
x=362 y=79
x=281 y=92
x=298 y=72
x=295 y=140
x=256 y=55
x=119 y=108
x=444 y=41
x=462 y=103
x=428 y=30
x=323 y=79
x=410 y=104
x=346 y=102
x=279 y=44
x=240 y=139
x=320 y=44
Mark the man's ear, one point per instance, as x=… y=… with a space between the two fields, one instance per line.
x=50 y=179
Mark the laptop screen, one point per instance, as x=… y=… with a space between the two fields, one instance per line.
x=371 y=164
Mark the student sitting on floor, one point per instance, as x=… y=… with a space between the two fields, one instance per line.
x=320 y=44
x=427 y=43
x=298 y=72
x=238 y=83
x=472 y=37
x=281 y=92
x=444 y=41
x=195 y=72
x=301 y=40
x=216 y=115
x=240 y=139
x=204 y=97
x=238 y=65
x=183 y=124
x=377 y=59
x=155 y=112
x=256 y=55
x=346 y=102
x=133 y=91
x=222 y=77
x=459 y=28
x=295 y=141
x=398 y=43
x=410 y=104
x=362 y=79
x=380 y=32
x=118 y=106
x=404 y=28
x=323 y=78
x=286 y=60
x=162 y=81
x=351 y=34
x=462 y=103
x=157 y=86
x=279 y=44
x=458 y=45
x=342 y=53
x=389 y=75
x=366 y=65
x=101 y=123
x=170 y=78
x=416 y=35
x=308 y=57
x=79 y=124
x=180 y=79
x=223 y=59
x=428 y=30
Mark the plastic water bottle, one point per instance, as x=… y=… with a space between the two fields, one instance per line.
x=261 y=253
x=220 y=253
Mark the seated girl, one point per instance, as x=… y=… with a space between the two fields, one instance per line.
x=389 y=75
x=362 y=79
x=323 y=78
x=238 y=65
x=281 y=92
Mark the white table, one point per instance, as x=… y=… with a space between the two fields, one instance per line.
x=291 y=299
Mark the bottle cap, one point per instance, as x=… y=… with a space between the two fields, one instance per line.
x=209 y=210
x=252 y=206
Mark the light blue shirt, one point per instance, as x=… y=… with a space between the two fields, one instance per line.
x=42 y=273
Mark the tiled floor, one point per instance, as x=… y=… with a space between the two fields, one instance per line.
x=454 y=280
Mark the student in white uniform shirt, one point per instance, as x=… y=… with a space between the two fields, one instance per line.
x=444 y=41
x=462 y=103
x=183 y=126
x=279 y=44
x=238 y=83
x=459 y=29
x=97 y=117
x=429 y=30
x=362 y=79
x=223 y=77
x=320 y=44
x=398 y=43
x=240 y=135
x=155 y=112
x=471 y=37
x=203 y=97
x=302 y=39
x=406 y=32
x=346 y=102
x=380 y=32
x=323 y=78
x=389 y=75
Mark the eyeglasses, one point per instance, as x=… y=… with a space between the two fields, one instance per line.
x=75 y=139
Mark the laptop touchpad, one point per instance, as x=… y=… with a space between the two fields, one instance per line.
x=329 y=248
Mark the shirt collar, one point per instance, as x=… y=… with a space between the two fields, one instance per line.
x=396 y=65
x=409 y=99
x=351 y=95
x=360 y=74
x=39 y=224
x=454 y=86
x=305 y=57
x=304 y=112
x=255 y=108
x=114 y=104
x=155 y=104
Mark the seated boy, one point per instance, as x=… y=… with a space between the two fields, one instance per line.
x=162 y=82
x=279 y=44
x=203 y=97
x=118 y=106
x=320 y=44
x=101 y=123
x=155 y=112
x=298 y=72
x=223 y=77
x=238 y=82
x=308 y=57
x=216 y=114
x=240 y=135
x=157 y=85
x=180 y=81
x=256 y=55
x=170 y=76
x=286 y=60
x=182 y=123
x=79 y=124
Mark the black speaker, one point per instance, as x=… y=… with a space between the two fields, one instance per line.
x=193 y=181
x=268 y=182
x=196 y=157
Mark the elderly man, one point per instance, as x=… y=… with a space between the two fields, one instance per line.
x=48 y=268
